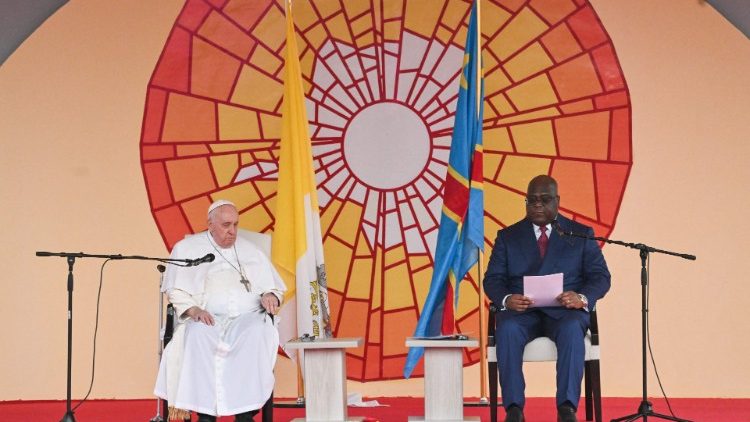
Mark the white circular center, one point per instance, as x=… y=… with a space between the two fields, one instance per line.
x=386 y=145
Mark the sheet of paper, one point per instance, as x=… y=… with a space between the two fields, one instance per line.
x=543 y=289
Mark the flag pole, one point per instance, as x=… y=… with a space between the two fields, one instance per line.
x=479 y=54
x=300 y=382
x=482 y=312
x=483 y=401
x=482 y=335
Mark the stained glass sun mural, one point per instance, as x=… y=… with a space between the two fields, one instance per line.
x=381 y=81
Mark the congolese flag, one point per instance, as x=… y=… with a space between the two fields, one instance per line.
x=297 y=248
x=461 y=233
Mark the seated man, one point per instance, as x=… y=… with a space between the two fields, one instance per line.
x=221 y=358
x=533 y=247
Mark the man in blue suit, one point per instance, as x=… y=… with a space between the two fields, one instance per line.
x=533 y=247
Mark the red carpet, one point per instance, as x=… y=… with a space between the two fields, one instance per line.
x=399 y=409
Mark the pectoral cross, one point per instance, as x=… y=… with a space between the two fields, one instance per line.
x=245 y=282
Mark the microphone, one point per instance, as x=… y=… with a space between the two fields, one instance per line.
x=556 y=227
x=562 y=233
x=208 y=258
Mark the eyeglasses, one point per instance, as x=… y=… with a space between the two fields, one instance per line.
x=543 y=199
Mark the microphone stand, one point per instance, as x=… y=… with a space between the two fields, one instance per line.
x=71 y=258
x=160 y=346
x=645 y=409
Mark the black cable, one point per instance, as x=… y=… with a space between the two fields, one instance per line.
x=96 y=329
x=648 y=339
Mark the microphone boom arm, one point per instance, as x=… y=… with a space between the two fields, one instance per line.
x=174 y=261
x=638 y=246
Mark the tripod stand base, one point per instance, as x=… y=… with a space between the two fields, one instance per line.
x=68 y=417
x=645 y=410
x=482 y=402
x=298 y=403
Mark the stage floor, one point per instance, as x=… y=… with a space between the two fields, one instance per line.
x=396 y=409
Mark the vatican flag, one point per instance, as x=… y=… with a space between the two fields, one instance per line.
x=297 y=249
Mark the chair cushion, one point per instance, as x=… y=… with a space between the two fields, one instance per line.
x=543 y=349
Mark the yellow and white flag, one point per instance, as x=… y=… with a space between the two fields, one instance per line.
x=297 y=248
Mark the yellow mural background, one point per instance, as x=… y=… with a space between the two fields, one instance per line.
x=71 y=103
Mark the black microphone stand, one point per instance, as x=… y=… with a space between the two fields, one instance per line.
x=160 y=343
x=71 y=258
x=645 y=409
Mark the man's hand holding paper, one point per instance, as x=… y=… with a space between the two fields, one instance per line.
x=571 y=300
x=518 y=302
x=544 y=290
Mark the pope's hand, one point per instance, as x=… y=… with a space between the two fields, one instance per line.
x=270 y=303
x=197 y=314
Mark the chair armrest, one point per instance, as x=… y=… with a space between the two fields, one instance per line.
x=168 y=325
x=594 y=328
x=491 y=325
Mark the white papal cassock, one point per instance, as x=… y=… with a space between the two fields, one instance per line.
x=227 y=368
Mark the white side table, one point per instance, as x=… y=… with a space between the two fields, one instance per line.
x=325 y=377
x=443 y=379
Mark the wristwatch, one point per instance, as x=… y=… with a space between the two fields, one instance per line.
x=584 y=299
x=505 y=299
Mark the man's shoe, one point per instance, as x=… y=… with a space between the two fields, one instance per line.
x=566 y=413
x=245 y=417
x=206 y=418
x=513 y=414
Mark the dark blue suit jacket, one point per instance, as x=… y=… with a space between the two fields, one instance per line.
x=516 y=254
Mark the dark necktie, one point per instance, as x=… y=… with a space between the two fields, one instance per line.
x=542 y=241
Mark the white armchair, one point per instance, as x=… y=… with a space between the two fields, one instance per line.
x=543 y=349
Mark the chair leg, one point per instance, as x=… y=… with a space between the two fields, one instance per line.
x=596 y=388
x=268 y=410
x=587 y=387
x=165 y=411
x=246 y=416
x=492 y=372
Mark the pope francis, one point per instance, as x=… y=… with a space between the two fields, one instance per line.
x=221 y=357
